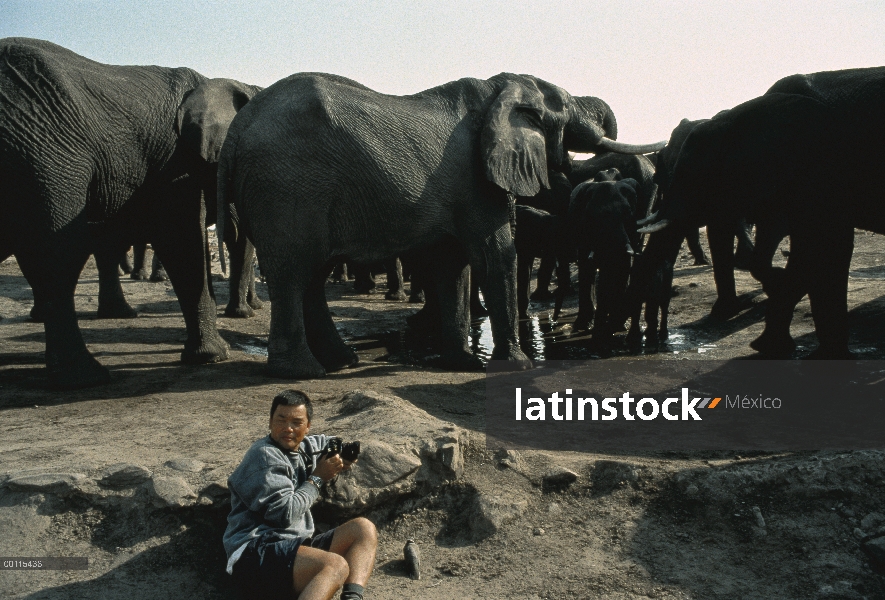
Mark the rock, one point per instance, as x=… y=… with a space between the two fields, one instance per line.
x=123 y=475
x=872 y=521
x=173 y=492
x=874 y=548
x=404 y=450
x=692 y=490
x=608 y=475
x=558 y=478
x=757 y=514
x=859 y=534
x=490 y=513
x=189 y=465
x=510 y=459
x=60 y=484
x=554 y=509
x=538 y=531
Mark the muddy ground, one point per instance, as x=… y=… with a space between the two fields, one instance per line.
x=665 y=525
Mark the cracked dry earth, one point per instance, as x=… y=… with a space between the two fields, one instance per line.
x=651 y=525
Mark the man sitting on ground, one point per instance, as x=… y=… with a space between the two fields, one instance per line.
x=271 y=547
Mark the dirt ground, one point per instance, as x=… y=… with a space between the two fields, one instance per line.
x=664 y=525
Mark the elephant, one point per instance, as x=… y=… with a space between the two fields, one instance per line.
x=767 y=160
x=539 y=234
x=754 y=257
x=439 y=168
x=602 y=219
x=555 y=203
x=97 y=156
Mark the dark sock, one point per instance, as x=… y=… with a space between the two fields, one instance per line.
x=352 y=591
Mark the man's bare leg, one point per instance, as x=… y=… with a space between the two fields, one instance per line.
x=356 y=541
x=317 y=574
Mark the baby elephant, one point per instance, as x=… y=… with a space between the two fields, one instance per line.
x=602 y=221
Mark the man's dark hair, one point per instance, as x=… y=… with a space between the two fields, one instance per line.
x=292 y=398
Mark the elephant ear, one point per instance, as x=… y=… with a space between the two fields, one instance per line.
x=205 y=113
x=515 y=136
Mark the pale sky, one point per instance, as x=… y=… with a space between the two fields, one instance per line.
x=653 y=61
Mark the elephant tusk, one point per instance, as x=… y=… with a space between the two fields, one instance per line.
x=622 y=148
x=652 y=228
x=649 y=219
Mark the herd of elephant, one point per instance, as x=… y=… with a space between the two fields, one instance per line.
x=463 y=178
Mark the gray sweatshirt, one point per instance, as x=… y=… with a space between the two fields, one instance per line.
x=269 y=491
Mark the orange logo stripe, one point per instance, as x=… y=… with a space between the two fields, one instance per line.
x=714 y=402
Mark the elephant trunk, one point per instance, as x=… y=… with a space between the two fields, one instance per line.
x=592 y=127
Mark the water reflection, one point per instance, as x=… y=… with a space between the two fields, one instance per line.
x=540 y=337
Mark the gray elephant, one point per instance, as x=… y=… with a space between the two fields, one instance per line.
x=435 y=168
x=97 y=156
x=803 y=155
x=720 y=236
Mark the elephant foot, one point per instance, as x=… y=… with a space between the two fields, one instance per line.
x=38 y=314
x=255 y=302
x=832 y=353
x=399 y=296
x=118 y=309
x=289 y=367
x=159 y=275
x=79 y=371
x=701 y=260
x=775 y=345
x=460 y=360
x=540 y=295
x=239 y=311
x=514 y=358
x=211 y=349
x=724 y=309
x=140 y=275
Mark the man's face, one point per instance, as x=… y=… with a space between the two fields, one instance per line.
x=289 y=425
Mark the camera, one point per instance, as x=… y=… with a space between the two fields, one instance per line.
x=349 y=451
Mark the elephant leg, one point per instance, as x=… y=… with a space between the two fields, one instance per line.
x=563 y=274
x=494 y=264
x=721 y=239
x=694 y=246
x=395 y=289
x=323 y=338
x=545 y=274
x=158 y=271
x=453 y=294
x=339 y=272
x=477 y=309
x=126 y=264
x=610 y=297
x=826 y=279
x=112 y=303
x=586 y=281
x=139 y=269
x=743 y=256
x=768 y=238
x=52 y=269
x=182 y=246
x=775 y=339
x=242 y=297
x=364 y=283
x=524 y=262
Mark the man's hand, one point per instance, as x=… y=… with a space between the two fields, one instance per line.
x=348 y=464
x=329 y=466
